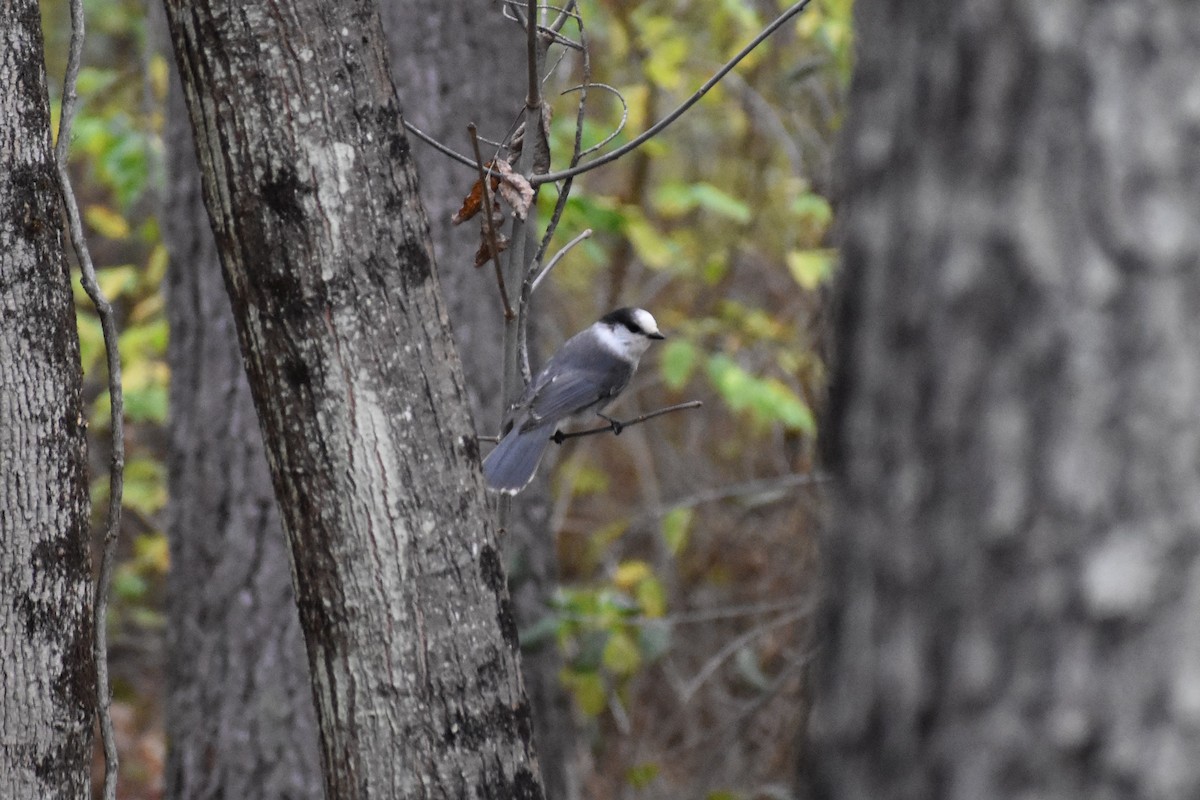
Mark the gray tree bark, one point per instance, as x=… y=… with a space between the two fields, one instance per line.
x=310 y=185
x=456 y=62
x=239 y=713
x=47 y=675
x=1014 y=568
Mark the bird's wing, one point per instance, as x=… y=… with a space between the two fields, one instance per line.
x=570 y=391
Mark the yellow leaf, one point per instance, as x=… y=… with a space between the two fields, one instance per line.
x=630 y=573
x=106 y=222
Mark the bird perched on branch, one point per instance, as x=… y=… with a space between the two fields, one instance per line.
x=585 y=375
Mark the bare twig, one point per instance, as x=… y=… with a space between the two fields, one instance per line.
x=541 y=276
x=116 y=474
x=435 y=144
x=756 y=487
x=678 y=112
x=620 y=126
x=737 y=643
x=804 y=604
x=559 y=437
x=488 y=222
x=564 y=191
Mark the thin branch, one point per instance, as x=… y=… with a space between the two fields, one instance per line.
x=488 y=222
x=513 y=11
x=620 y=126
x=435 y=144
x=737 y=643
x=541 y=276
x=533 y=99
x=804 y=603
x=756 y=487
x=566 y=12
x=116 y=474
x=615 y=426
x=564 y=192
x=678 y=112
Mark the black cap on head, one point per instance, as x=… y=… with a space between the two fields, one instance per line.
x=635 y=320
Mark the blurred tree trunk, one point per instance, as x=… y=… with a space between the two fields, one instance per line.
x=456 y=62
x=239 y=716
x=47 y=674
x=1014 y=570
x=309 y=181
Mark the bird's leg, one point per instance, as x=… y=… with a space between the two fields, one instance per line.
x=616 y=425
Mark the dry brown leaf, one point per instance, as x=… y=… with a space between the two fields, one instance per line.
x=484 y=253
x=474 y=200
x=515 y=190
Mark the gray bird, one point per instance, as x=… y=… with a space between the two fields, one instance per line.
x=585 y=375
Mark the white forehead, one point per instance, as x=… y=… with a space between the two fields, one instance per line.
x=644 y=320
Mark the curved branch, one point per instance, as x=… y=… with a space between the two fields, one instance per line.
x=116 y=473
x=553 y=262
x=659 y=126
x=620 y=126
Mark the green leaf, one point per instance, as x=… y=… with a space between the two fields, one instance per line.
x=652 y=597
x=723 y=794
x=91 y=341
x=145 y=485
x=621 y=654
x=677 y=362
x=650 y=245
x=768 y=400
x=813 y=211
x=588 y=690
x=128 y=584
x=676 y=199
x=676 y=526
x=781 y=403
x=639 y=776
x=811 y=268
x=718 y=202
x=730 y=380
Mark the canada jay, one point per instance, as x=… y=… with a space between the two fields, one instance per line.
x=584 y=376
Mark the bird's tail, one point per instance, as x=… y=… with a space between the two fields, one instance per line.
x=510 y=467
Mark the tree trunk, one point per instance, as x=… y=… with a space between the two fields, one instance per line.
x=310 y=185
x=239 y=717
x=1014 y=581
x=455 y=62
x=47 y=675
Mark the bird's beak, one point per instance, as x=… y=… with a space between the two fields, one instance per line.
x=656 y=335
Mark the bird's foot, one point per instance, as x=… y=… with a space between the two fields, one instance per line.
x=616 y=425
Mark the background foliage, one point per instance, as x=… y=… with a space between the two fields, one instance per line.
x=685 y=544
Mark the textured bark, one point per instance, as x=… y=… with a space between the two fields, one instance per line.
x=1014 y=577
x=47 y=675
x=310 y=185
x=456 y=62
x=240 y=719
